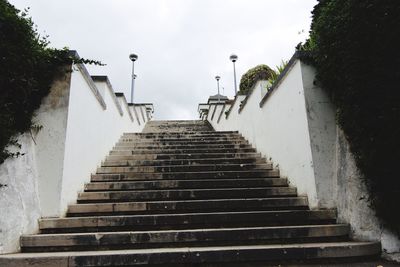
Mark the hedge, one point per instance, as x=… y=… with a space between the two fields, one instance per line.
x=250 y=78
x=355 y=47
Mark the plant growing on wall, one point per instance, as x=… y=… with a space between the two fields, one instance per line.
x=27 y=69
x=250 y=78
x=355 y=47
x=275 y=74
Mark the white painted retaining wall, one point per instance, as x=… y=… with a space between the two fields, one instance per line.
x=294 y=126
x=82 y=119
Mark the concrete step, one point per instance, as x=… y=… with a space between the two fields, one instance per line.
x=179 y=145
x=186 y=221
x=232 y=139
x=184 y=156
x=183 y=238
x=127 y=163
x=186 y=184
x=194 y=256
x=182 y=151
x=187 y=134
x=184 y=194
x=188 y=206
x=185 y=175
x=182 y=133
x=156 y=146
x=184 y=168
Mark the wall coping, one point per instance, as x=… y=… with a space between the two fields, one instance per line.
x=102 y=78
x=232 y=104
x=88 y=79
x=296 y=56
x=121 y=95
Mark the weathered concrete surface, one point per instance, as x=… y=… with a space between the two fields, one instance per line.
x=19 y=197
x=194 y=255
x=353 y=206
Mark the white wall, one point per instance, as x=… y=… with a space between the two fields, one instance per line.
x=19 y=198
x=279 y=130
x=294 y=126
x=81 y=120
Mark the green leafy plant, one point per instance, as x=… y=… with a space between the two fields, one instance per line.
x=274 y=76
x=28 y=67
x=354 y=46
x=250 y=78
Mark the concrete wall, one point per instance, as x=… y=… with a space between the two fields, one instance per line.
x=82 y=118
x=293 y=125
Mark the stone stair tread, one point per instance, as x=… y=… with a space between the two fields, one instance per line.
x=205 y=172
x=183 y=168
x=192 y=255
x=202 y=193
x=189 y=220
x=183 y=151
x=185 y=235
x=189 y=141
x=185 y=184
x=206 y=193
x=186 y=156
x=162 y=163
x=193 y=205
x=183 y=133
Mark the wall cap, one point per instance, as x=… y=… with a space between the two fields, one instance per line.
x=88 y=79
x=103 y=78
x=296 y=56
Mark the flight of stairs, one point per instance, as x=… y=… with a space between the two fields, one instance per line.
x=181 y=193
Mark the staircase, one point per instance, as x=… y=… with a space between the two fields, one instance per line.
x=181 y=193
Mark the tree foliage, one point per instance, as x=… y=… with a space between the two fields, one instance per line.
x=27 y=68
x=250 y=78
x=355 y=47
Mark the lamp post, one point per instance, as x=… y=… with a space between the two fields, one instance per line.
x=133 y=58
x=217 y=78
x=234 y=58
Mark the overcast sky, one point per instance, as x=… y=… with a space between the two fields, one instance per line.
x=182 y=44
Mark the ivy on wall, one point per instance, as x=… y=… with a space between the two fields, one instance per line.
x=27 y=69
x=355 y=47
x=250 y=78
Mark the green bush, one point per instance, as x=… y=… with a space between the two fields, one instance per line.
x=27 y=68
x=355 y=47
x=250 y=78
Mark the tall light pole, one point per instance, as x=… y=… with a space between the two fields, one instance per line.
x=219 y=96
x=133 y=57
x=234 y=58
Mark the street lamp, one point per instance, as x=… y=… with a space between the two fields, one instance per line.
x=217 y=78
x=133 y=57
x=234 y=58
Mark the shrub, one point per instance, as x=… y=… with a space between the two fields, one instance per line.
x=355 y=47
x=276 y=73
x=27 y=68
x=250 y=78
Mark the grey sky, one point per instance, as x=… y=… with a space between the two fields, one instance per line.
x=182 y=44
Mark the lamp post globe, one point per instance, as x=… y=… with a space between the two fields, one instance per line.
x=234 y=58
x=133 y=57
